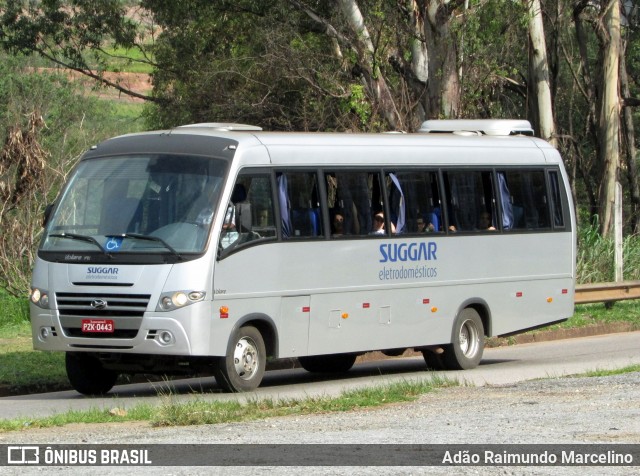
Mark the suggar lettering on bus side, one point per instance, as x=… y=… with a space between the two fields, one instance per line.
x=421 y=251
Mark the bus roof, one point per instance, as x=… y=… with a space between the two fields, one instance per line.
x=328 y=147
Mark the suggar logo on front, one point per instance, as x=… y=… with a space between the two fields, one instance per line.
x=102 y=270
x=102 y=273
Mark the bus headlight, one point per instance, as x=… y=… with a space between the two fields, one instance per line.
x=40 y=298
x=177 y=299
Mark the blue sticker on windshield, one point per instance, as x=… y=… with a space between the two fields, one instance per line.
x=114 y=243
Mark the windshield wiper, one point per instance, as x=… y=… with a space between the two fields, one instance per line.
x=152 y=238
x=88 y=239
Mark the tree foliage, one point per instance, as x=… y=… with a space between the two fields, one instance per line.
x=362 y=65
x=45 y=123
x=72 y=34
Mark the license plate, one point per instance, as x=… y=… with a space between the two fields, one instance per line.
x=97 y=325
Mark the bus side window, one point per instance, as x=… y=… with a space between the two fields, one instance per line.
x=353 y=199
x=249 y=215
x=556 y=187
x=299 y=205
x=471 y=204
x=422 y=208
x=528 y=196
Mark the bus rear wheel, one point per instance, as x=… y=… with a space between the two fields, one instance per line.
x=334 y=363
x=87 y=375
x=242 y=369
x=467 y=345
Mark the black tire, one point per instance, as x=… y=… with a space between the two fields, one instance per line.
x=467 y=345
x=433 y=360
x=243 y=367
x=333 y=363
x=87 y=375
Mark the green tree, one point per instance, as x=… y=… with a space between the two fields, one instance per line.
x=365 y=65
x=77 y=35
x=45 y=123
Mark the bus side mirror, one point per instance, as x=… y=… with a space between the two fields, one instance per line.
x=47 y=214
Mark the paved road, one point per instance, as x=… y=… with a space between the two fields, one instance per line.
x=500 y=366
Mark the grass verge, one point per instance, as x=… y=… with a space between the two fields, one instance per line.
x=199 y=412
x=596 y=314
x=607 y=373
x=23 y=370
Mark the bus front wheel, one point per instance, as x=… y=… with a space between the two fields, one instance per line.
x=467 y=346
x=242 y=369
x=87 y=375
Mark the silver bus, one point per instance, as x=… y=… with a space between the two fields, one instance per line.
x=211 y=248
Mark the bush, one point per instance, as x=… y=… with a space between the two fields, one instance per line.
x=595 y=261
x=13 y=310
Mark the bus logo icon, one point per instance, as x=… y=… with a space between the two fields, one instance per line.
x=99 y=304
x=23 y=455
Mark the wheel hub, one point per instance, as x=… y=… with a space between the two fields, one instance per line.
x=468 y=339
x=245 y=358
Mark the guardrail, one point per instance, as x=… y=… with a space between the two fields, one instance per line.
x=607 y=292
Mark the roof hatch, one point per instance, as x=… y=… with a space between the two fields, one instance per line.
x=489 y=127
x=223 y=126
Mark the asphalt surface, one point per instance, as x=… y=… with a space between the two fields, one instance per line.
x=506 y=407
x=499 y=366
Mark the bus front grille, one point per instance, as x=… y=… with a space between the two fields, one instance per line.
x=125 y=310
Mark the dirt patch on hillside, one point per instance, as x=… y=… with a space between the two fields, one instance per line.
x=138 y=83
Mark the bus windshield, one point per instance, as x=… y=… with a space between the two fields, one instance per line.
x=137 y=204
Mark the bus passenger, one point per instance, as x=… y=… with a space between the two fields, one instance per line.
x=378 y=224
x=484 y=222
x=423 y=227
x=338 y=224
x=263 y=217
